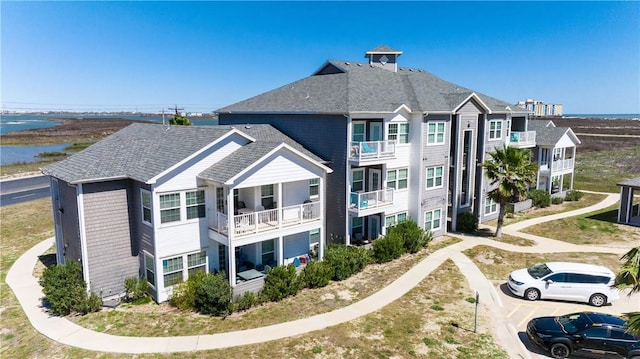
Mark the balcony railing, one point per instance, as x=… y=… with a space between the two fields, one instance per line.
x=371 y=150
x=522 y=139
x=374 y=199
x=268 y=220
x=558 y=165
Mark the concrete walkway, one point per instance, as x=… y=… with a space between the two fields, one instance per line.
x=29 y=294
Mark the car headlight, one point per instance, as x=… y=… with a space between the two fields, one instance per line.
x=515 y=281
x=543 y=336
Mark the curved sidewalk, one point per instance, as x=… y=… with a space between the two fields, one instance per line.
x=29 y=294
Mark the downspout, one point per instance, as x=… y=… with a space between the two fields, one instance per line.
x=83 y=235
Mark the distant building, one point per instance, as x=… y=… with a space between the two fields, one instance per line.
x=538 y=108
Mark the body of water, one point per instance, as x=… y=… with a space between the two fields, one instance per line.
x=12 y=123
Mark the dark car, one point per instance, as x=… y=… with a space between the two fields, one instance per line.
x=588 y=334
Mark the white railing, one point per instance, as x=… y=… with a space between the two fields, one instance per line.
x=372 y=150
x=268 y=220
x=372 y=199
x=561 y=165
x=522 y=138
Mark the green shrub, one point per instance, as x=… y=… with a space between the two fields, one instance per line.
x=213 y=295
x=414 y=237
x=183 y=295
x=245 y=301
x=65 y=290
x=467 y=222
x=557 y=200
x=540 y=198
x=388 y=248
x=573 y=195
x=136 y=290
x=346 y=260
x=316 y=274
x=281 y=282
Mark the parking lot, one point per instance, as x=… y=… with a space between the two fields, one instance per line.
x=519 y=311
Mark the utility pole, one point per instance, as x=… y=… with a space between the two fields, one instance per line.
x=176 y=109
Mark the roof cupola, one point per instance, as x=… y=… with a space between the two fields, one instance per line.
x=384 y=57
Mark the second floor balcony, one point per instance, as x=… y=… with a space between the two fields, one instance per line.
x=248 y=221
x=370 y=152
x=522 y=139
x=557 y=166
x=362 y=203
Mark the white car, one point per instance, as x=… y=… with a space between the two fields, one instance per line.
x=576 y=282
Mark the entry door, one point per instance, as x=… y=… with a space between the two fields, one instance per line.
x=375 y=180
x=373 y=228
x=375 y=131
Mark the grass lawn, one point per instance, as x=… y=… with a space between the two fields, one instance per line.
x=598 y=227
x=599 y=171
x=496 y=264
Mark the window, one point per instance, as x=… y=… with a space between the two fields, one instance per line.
x=197 y=263
x=267 y=251
x=145 y=198
x=172 y=270
x=432 y=220
x=358 y=134
x=490 y=206
x=357 y=180
x=314 y=188
x=220 y=199
x=435 y=133
x=596 y=332
x=314 y=237
x=394 y=219
x=557 y=277
x=266 y=196
x=169 y=207
x=397 y=179
x=150 y=269
x=434 y=177
x=356 y=228
x=222 y=258
x=195 y=204
x=399 y=132
x=495 y=130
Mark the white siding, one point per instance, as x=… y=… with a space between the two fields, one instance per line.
x=282 y=166
x=565 y=141
x=181 y=238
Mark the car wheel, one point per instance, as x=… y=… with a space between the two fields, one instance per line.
x=598 y=300
x=559 y=350
x=532 y=294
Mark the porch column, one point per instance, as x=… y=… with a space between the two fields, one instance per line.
x=321 y=244
x=280 y=250
x=230 y=236
x=279 y=205
x=232 y=264
x=323 y=223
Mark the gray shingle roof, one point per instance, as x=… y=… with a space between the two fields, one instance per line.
x=546 y=132
x=142 y=151
x=384 y=49
x=634 y=182
x=342 y=87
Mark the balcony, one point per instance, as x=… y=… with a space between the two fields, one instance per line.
x=557 y=166
x=248 y=222
x=372 y=152
x=365 y=203
x=524 y=139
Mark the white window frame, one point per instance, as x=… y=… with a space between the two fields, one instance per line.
x=361 y=226
x=399 y=132
x=149 y=259
x=394 y=179
x=185 y=266
x=143 y=208
x=490 y=206
x=199 y=196
x=353 y=172
x=173 y=208
x=429 y=225
x=268 y=187
x=495 y=132
x=314 y=237
x=394 y=219
x=199 y=262
x=314 y=188
x=268 y=252
x=433 y=137
x=363 y=134
x=434 y=177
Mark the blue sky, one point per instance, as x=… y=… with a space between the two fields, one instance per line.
x=147 y=56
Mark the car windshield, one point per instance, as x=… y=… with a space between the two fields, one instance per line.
x=539 y=270
x=572 y=323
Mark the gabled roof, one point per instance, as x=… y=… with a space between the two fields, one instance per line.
x=634 y=182
x=143 y=151
x=547 y=134
x=340 y=87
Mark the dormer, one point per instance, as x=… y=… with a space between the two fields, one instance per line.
x=384 y=57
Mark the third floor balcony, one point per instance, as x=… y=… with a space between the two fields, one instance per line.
x=371 y=152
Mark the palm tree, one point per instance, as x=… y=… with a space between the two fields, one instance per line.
x=511 y=171
x=629 y=277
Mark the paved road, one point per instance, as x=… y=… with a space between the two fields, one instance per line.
x=23 y=190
